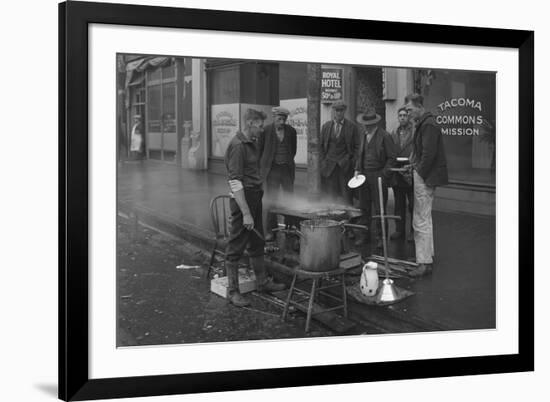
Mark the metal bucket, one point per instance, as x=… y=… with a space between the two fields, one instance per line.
x=320 y=244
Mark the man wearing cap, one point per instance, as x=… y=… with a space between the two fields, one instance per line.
x=429 y=165
x=401 y=182
x=243 y=170
x=339 y=143
x=278 y=149
x=375 y=157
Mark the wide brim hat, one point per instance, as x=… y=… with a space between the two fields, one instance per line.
x=368 y=118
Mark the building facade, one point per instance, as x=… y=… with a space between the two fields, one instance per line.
x=193 y=107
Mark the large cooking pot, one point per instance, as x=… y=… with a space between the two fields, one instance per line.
x=321 y=244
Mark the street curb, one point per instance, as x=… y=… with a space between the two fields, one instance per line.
x=200 y=237
x=205 y=239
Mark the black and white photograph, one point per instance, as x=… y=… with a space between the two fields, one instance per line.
x=257 y=201
x=274 y=199
x=270 y=201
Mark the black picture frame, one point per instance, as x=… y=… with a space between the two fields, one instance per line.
x=74 y=18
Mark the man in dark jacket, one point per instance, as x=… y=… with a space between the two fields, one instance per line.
x=375 y=157
x=429 y=171
x=243 y=175
x=278 y=149
x=402 y=182
x=339 y=143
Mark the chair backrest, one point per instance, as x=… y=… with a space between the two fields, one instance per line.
x=220 y=215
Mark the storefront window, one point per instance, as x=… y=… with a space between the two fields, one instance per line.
x=154 y=75
x=259 y=83
x=293 y=94
x=153 y=108
x=224 y=86
x=293 y=80
x=233 y=89
x=169 y=71
x=463 y=103
x=161 y=137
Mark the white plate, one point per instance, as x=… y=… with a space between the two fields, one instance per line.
x=356 y=181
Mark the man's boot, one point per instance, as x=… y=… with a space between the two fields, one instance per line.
x=235 y=296
x=421 y=270
x=263 y=284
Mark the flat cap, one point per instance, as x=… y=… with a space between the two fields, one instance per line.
x=339 y=105
x=278 y=110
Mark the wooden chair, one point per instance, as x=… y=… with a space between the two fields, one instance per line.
x=220 y=215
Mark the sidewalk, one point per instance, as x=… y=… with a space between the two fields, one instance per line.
x=460 y=294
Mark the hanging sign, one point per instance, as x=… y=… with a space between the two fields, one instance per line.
x=331 y=84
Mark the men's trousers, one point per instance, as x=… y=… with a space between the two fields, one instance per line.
x=369 y=198
x=404 y=200
x=241 y=239
x=279 y=179
x=336 y=185
x=422 y=220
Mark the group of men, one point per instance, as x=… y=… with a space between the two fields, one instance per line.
x=258 y=155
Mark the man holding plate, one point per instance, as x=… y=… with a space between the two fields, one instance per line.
x=429 y=165
x=375 y=158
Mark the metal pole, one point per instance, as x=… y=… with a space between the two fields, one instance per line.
x=383 y=222
x=313 y=129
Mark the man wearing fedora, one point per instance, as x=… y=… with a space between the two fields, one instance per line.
x=429 y=165
x=375 y=157
x=339 y=143
x=278 y=149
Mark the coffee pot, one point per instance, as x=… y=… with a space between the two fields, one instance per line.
x=369 y=279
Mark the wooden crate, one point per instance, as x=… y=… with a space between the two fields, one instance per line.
x=247 y=283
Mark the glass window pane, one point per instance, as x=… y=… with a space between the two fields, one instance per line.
x=224 y=86
x=260 y=83
x=293 y=80
x=154 y=74
x=463 y=103
x=169 y=107
x=153 y=108
x=169 y=71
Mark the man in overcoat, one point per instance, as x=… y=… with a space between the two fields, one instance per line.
x=375 y=158
x=429 y=165
x=339 y=144
x=278 y=149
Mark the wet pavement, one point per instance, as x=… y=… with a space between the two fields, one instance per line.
x=460 y=294
x=160 y=304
